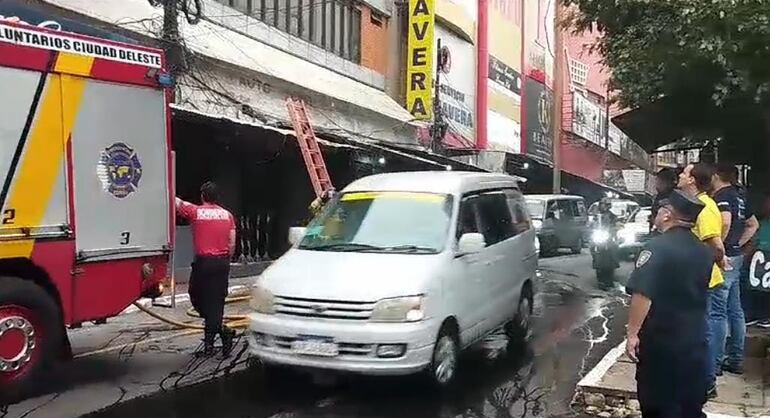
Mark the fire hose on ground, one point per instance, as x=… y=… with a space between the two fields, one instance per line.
x=232 y=321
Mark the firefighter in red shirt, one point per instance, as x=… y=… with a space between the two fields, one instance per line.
x=213 y=229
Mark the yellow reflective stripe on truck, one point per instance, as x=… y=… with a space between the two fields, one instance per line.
x=74 y=64
x=40 y=167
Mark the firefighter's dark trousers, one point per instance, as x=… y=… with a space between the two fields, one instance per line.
x=208 y=289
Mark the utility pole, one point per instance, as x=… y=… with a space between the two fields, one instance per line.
x=482 y=73
x=437 y=131
x=558 y=94
x=171 y=39
x=607 y=119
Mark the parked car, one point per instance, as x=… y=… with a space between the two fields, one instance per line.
x=560 y=221
x=635 y=232
x=397 y=275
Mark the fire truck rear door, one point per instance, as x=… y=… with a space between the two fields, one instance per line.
x=120 y=160
x=32 y=170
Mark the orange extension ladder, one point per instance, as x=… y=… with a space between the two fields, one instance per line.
x=308 y=144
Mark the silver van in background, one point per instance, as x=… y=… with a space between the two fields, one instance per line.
x=398 y=274
x=561 y=221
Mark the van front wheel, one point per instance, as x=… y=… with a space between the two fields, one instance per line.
x=519 y=330
x=446 y=353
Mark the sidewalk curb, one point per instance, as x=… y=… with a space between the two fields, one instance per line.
x=180 y=298
x=590 y=382
x=597 y=373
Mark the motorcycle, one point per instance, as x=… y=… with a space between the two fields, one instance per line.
x=604 y=252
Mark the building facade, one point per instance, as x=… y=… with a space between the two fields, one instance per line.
x=592 y=146
x=347 y=60
x=242 y=59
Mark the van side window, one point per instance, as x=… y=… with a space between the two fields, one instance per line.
x=468 y=218
x=581 y=208
x=566 y=209
x=496 y=222
x=552 y=210
x=519 y=212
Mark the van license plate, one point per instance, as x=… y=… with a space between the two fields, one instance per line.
x=315 y=348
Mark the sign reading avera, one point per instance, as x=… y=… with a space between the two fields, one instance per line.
x=419 y=72
x=759 y=271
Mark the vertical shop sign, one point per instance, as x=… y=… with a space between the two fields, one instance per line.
x=539 y=127
x=419 y=73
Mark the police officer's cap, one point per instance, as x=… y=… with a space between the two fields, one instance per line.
x=687 y=208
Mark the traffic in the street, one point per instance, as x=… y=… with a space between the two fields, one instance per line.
x=575 y=323
x=384 y=208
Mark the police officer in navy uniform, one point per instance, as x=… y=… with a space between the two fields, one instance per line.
x=666 y=334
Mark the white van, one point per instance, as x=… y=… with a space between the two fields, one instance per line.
x=398 y=274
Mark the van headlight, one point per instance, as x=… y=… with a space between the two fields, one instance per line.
x=262 y=301
x=537 y=223
x=404 y=309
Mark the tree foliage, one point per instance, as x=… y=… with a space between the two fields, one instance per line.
x=706 y=56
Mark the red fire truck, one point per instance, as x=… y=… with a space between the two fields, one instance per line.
x=86 y=202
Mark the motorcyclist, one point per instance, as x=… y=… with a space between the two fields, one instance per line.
x=607 y=260
x=606 y=217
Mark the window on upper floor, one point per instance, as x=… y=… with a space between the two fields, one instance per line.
x=334 y=25
x=578 y=72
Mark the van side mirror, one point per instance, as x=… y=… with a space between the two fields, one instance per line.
x=470 y=243
x=296 y=234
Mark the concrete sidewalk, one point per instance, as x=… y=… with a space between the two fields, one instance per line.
x=133 y=355
x=609 y=390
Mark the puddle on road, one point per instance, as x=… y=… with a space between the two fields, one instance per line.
x=498 y=379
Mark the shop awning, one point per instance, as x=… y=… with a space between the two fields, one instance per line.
x=337 y=141
x=436 y=158
x=196 y=114
x=651 y=126
x=540 y=175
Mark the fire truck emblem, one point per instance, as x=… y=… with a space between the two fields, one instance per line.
x=119 y=170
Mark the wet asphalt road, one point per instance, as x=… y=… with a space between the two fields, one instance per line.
x=576 y=324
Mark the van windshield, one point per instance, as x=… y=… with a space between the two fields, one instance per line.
x=392 y=222
x=536 y=208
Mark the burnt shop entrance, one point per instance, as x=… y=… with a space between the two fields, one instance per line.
x=262 y=181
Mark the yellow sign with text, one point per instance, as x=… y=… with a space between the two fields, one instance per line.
x=420 y=57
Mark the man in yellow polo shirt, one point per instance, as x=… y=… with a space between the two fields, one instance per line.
x=696 y=179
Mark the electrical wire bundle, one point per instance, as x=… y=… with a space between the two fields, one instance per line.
x=192 y=9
